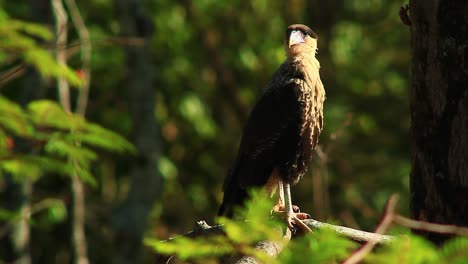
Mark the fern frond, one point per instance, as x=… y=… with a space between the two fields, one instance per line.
x=14 y=119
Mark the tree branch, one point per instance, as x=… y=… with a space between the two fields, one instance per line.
x=274 y=248
x=370 y=240
x=353 y=234
x=384 y=224
x=61 y=19
x=431 y=227
x=83 y=34
x=77 y=188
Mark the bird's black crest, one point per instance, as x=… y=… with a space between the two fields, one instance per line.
x=303 y=28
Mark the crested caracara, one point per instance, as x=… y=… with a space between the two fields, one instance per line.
x=282 y=130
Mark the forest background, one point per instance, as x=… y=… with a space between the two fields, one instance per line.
x=177 y=80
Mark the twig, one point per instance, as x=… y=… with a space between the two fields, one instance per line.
x=61 y=19
x=77 y=189
x=431 y=227
x=83 y=34
x=387 y=220
x=72 y=48
x=12 y=73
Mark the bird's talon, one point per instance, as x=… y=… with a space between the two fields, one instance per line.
x=303 y=216
x=296 y=209
x=295 y=223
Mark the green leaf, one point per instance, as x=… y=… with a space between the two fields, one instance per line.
x=59 y=146
x=186 y=248
x=96 y=135
x=167 y=168
x=33 y=29
x=49 y=164
x=409 y=249
x=322 y=246
x=21 y=169
x=14 y=119
x=259 y=224
x=55 y=208
x=19 y=37
x=455 y=251
x=49 y=113
x=85 y=175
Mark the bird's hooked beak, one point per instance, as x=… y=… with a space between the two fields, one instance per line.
x=296 y=37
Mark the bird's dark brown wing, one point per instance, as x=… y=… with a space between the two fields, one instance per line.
x=274 y=115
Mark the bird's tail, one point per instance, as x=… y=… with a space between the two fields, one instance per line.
x=234 y=196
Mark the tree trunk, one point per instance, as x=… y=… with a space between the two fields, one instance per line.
x=130 y=219
x=439 y=112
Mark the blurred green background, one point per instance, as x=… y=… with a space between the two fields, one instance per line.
x=211 y=60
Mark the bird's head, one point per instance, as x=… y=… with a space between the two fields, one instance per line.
x=300 y=40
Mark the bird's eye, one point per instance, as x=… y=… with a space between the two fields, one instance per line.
x=305 y=33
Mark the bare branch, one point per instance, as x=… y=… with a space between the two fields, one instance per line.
x=77 y=188
x=71 y=49
x=274 y=248
x=61 y=20
x=353 y=234
x=431 y=227
x=83 y=34
x=387 y=220
x=13 y=73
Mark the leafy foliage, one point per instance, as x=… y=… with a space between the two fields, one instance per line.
x=241 y=236
x=199 y=52
x=52 y=209
x=63 y=141
x=321 y=246
x=20 y=38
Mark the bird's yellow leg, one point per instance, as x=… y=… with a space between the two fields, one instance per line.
x=289 y=215
x=279 y=207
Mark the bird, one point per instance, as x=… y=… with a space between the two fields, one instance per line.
x=281 y=131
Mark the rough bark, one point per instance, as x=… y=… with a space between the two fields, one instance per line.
x=439 y=111
x=130 y=218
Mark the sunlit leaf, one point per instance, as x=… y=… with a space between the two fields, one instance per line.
x=322 y=246
x=49 y=113
x=455 y=251
x=191 y=248
x=98 y=136
x=406 y=249
x=66 y=149
x=13 y=118
x=21 y=169
x=55 y=208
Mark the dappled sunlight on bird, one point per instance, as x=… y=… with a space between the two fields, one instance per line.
x=282 y=130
